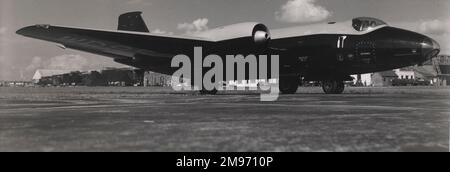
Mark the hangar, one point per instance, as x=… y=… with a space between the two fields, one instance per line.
x=442 y=64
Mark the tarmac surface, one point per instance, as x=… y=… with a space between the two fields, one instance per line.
x=158 y=119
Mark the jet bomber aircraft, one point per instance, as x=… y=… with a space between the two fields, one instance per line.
x=328 y=52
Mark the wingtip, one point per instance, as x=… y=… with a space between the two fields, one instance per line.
x=23 y=30
x=29 y=29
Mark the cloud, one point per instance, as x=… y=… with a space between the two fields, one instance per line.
x=71 y=62
x=159 y=31
x=139 y=2
x=436 y=26
x=36 y=63
x=3 y=30
x=196 y=26
x=302 y=11
x=428 y=27
x=63 y=62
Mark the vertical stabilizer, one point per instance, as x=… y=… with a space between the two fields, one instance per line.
x=132 y=21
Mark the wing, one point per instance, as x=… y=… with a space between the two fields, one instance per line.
x=141 y=50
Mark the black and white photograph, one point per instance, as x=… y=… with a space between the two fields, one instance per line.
x=240 y=76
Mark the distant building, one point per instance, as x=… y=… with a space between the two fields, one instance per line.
x=442 y=65
x=383 y=79
x=426 y=73
x=16 y=84
x=363 y=80
x=434 y=72
x=156 y=79
x=405 y=74
x=418 y=75
x=246 y=83
x=106 y=77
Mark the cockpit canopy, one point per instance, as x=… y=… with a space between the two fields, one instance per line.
x=365 y=23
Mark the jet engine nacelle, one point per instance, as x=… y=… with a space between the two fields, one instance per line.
x=259 y=33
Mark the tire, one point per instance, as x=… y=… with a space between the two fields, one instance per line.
x=333 y=87
x=209 y=92
x=289 y=85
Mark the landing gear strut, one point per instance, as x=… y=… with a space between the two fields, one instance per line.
x=333 y=87
x=289 y=84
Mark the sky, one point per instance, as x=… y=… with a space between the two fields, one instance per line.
x=20 y=56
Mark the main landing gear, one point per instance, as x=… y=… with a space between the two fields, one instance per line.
x=208 y=92
x=289 y=84
x=333 y=87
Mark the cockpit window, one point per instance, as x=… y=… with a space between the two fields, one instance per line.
x=365 y=23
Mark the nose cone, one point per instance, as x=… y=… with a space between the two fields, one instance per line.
x=430 y=48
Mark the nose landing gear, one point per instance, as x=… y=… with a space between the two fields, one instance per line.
x=333 y=87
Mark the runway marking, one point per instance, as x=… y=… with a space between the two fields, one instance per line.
x=303 y=105
x=68 y=107
x=111 y=111
x=223 y=105
x=196 y=102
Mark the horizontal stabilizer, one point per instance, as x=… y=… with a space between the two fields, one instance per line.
x=132 y=21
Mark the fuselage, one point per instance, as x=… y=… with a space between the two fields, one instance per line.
x=336 y=50
x=333 y=50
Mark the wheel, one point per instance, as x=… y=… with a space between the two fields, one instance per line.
x=333 y=87
x=208 y=92
x=289 y=85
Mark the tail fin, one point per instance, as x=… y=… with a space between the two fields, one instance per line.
x=132 y=21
